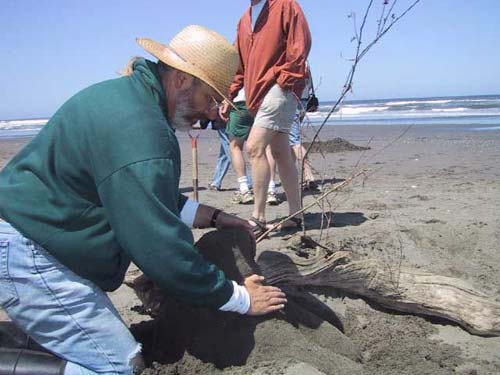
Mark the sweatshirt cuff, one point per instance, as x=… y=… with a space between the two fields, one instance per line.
x=188 y=212
x=239 y=301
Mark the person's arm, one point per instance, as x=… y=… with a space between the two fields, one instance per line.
x=298 y=44
x=188 y=210
x=207 y=217
x=237 y=84
x=142 y=205
x=238 y=80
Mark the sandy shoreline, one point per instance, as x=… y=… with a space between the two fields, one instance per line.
x=430 y=200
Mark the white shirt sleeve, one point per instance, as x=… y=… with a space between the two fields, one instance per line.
x=240 y=97
x=188 y=212
x=239 y=301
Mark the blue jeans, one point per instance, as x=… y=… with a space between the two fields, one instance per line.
x=224 y=160
x=294 y=135
x=64 y=313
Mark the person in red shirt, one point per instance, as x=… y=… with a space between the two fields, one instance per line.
x=273 y=42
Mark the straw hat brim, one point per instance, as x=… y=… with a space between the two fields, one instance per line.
x=167 y=55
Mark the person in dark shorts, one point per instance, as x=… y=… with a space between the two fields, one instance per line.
x=237 y=128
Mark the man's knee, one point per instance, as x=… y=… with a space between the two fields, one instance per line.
x=236 y=144
x=281 y=149
x=256 y=150
x=277 y=153
x=281 y=153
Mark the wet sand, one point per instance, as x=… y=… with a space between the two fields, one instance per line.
x=429 y=200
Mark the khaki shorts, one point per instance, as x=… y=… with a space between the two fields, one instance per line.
x=277 y=110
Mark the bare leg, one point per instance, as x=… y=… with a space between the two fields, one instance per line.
x=298 y=151
x=280 y=147
x=236 y=148
x=272 y=163
x=257 y=142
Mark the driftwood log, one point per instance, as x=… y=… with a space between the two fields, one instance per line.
x=400 y=289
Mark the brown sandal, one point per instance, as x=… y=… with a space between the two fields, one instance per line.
x=260 y=227
x=297 y=221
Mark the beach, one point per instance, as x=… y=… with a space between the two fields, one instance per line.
x=429 y=200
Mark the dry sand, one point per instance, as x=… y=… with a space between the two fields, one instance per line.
x=430 y=200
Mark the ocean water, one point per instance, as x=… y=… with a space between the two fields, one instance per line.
x=481 y=113
x=21 y=127
x=474 y=113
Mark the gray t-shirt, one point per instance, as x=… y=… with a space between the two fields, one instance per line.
x=256 y=9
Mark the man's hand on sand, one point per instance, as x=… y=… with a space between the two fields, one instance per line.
x=263 y=299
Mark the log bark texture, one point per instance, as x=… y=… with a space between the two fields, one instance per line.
x=399 y=289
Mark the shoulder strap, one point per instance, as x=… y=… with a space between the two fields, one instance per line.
x=311 y=78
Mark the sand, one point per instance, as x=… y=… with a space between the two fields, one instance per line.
x=430 y=200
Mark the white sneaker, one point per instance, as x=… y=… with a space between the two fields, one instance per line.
x=213 y=187
x=272 y=198
x=243 y=198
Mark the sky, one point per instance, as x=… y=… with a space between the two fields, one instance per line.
x=51 y=49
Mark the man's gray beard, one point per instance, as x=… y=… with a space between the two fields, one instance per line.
x=183 y=111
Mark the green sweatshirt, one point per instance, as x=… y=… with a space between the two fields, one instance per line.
x=99 y=187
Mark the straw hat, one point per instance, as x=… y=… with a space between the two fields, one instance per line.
x=200 y=52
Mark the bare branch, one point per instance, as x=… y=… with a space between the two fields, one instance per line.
x=389 y=13
x=379 y=21
x=384 y=31
x=359 y=55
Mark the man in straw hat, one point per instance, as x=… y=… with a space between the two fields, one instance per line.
x=99 y=188
x=273 y=42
